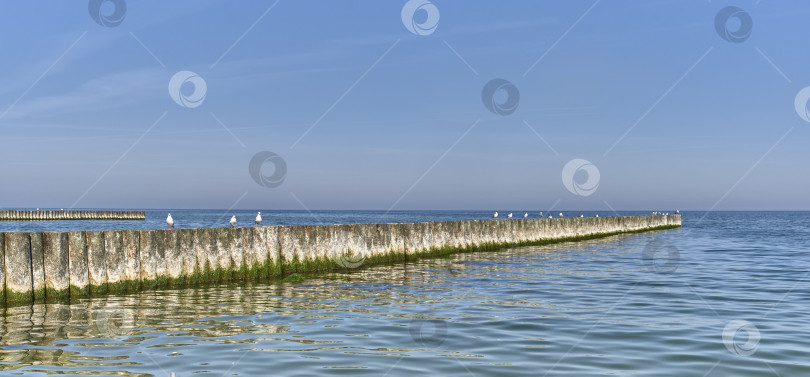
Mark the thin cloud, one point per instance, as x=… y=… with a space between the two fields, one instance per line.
x=112 y=91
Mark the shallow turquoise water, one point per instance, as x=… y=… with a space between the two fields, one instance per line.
x=652 y=304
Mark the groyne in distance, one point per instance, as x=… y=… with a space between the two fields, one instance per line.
x=48 y=215
x=41 y=266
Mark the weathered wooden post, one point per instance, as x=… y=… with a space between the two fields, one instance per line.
x=96 y=262
x=148 y=258
x=79 y=272
x=237 y=253
x=37 y=266
x=115 y=260
x=57 y=273
x=18 y=268
x=132 y=260
x=223 y=247
x=189 y=255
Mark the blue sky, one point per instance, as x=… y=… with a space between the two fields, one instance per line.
x=395 y=119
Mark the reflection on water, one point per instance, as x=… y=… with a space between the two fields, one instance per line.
x=126 y=334
x=588 y=308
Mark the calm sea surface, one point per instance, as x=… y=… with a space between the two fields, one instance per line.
x=215 y=218
x=726 y=295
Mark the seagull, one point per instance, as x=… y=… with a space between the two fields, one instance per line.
x=677 y=212
x=541 y=214
x=509 y=216
x=233 y=220
x=495 y=216
x=581 y=215
x=549 y=216
x=561 y=215
x=597 y=215
x=526 y=215
x=170 y=221
x=258 y=218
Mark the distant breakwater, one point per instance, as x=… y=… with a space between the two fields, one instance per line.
x=48 y=215
x=44 y=266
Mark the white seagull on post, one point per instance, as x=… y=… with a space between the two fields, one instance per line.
x=258 y=218
x=170 y=221
x=495 y=216
x=509 y=216
x=561 y=215
x=233 y=221
x=526 y=215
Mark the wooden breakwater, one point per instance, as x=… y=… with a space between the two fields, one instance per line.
x=55 y=265
x=48 y=215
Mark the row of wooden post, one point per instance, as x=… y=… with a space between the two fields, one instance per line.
x=48 y=215
x=35 y=266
